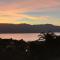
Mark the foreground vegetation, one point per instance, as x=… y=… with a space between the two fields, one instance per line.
x=49 y=49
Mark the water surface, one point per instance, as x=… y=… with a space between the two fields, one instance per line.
x=18 y=36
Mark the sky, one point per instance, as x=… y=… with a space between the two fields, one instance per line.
x=30 y=11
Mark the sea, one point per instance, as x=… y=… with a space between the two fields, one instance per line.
x=24 y=36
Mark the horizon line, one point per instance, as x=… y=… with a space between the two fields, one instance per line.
x=28 y=24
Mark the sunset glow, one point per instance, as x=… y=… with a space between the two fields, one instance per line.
x=30 y=11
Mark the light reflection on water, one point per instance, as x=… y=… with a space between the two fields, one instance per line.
x=18 y=36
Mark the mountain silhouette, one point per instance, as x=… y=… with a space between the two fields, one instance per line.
x=27 y=28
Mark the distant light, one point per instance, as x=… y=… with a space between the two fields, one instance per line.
x=26 y=50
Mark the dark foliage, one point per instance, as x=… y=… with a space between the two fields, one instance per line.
x=35 y=50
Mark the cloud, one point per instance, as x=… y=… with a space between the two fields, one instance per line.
x=46 y=13
x=41 y=4
x=12 y=1
x=30 y=11
x=45 y=4
x=42 y=20
x=33 y=5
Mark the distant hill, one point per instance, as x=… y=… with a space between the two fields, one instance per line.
x=26 y=28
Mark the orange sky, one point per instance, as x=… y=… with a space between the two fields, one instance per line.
x=30 y=11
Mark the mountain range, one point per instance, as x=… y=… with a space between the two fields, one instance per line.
x=27 y=28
